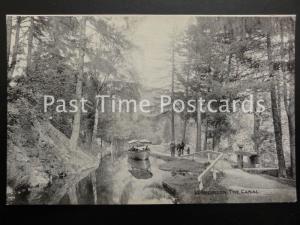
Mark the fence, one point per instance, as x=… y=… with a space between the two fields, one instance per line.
x=205 y=156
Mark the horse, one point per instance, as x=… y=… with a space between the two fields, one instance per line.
x=180 y=148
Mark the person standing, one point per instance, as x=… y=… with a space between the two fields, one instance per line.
x=172 y=149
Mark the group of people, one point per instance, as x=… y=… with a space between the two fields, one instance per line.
x=134 y=148
x=180 y=147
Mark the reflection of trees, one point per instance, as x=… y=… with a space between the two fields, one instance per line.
x=126 y=193
x=85 y=191
x=104 y=183
x=94 y=181
x=72 y=195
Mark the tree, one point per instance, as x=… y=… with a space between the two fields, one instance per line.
x=172 y=146
x=29 y=45
x=199 y=124
x=256 y=123
x=186 y=117
x=166 y=131
x=15 y=49
x=9 y=32
x=106 y=64
x=275 y=113
x=288 y=86
x=77 y=116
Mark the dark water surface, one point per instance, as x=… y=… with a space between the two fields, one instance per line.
x=117 y=180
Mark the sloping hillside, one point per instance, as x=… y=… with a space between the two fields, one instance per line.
x=37 y=152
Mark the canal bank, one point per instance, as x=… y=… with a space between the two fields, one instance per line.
x=119 y=180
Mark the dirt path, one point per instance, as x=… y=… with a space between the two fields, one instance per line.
x=238 y=186
x=244 y=187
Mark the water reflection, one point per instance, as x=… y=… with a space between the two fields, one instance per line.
x=118 y=180
x=140 y=169
x=118 y=184
x=73 y=195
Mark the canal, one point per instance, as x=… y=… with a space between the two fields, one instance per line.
x=117 y=180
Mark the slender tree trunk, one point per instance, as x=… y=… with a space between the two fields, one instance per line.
x=291 y=111
x=278 y=97
x=95 y=129
x=9 y=31
x=291 y=122
x=275 y=114
x=229 y=66
x=216 y=138
x=285 y=79
x=256 y=122
x=76 y=121
x=172 y=146
x=278 y=89
x=213 y=143
x=217 y=143
x=229 y=57
x=173 y=117
x=15 y=49
x=89 y=129
x=199 y=122
x=289 y=103
x=184 y=129
x=29 y=46
x=206 y=133
x=185 y=108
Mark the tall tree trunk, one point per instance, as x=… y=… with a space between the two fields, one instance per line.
x=277 y=76
x=95 y=129
x=172 y=110
x=229 y=57
x=278 y=90
x=89 y=129
x=214 y=142
x=185 y=108
x=9 y=31
x=217 y=140
x=199 y=122
x=228 y=67
x=184 y=129
x=206 y=133
x=76 y=121
x=292 y=107
x=289 y=103
x=15 y=49
x=256 y=122
x=291 y=122
x=275 y=114
x=29 y=46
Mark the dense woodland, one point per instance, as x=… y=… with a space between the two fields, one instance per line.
x=231 y=58
x=214 y=58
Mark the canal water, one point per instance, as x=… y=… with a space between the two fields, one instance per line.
x=117 y=180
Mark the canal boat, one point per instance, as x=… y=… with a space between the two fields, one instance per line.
x=139 y=150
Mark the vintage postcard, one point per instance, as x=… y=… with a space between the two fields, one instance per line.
x=150 y=109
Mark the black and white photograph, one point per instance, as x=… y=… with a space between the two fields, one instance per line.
x=131 y=109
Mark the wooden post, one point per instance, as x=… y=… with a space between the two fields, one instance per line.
x=214 y=174
x=201 y=185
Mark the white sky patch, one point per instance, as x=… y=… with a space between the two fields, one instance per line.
x=153 y=38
